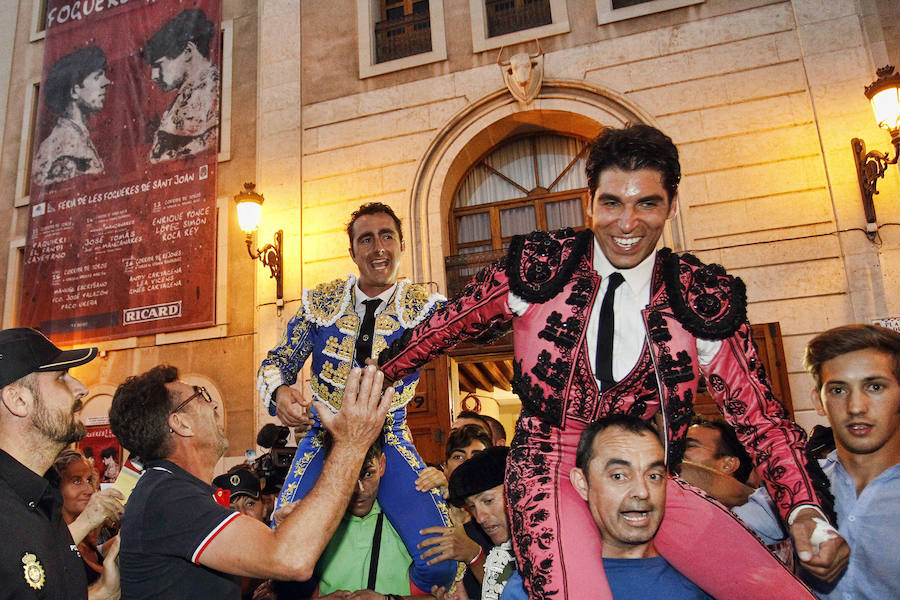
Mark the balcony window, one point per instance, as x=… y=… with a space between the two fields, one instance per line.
x=528 y=183
x=507 y=16
x=404 y=30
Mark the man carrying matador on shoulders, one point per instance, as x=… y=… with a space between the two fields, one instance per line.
x=603 y=324
x=341 y=324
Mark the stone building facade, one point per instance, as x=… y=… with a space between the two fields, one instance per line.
x=761 y=96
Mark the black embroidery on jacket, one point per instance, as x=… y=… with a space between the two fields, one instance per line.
x=541 y=263
x=708 y=302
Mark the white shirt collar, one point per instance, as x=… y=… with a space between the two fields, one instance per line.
x=359 y=297
x=638 y=277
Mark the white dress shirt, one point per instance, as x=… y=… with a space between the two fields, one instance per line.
x=630 y=299
x=359 y=297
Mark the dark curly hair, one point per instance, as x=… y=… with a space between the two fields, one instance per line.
x=66 y=73
x=373 y=208
x=139 y=415
x=631 y=148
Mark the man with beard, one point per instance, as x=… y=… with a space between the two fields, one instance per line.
x=178 y=542
x=339 y=325
x=38 y=401
x=74 y=90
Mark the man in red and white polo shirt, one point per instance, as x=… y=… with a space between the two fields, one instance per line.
x=177 y=542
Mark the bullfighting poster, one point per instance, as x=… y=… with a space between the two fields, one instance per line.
x=122 y=231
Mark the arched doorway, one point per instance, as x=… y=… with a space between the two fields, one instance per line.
x=497 y=169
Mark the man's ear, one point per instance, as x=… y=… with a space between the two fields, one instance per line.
x=382 y=462
x=180 y=425
x=13 y=399
x=189 y=50
x=815 y=396
x=579 y=482
x=673 y=207
x=729 y=464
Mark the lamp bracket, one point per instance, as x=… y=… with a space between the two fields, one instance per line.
x=870 y=166
x=271 y=256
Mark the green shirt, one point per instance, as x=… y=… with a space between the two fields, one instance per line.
x=345 y=563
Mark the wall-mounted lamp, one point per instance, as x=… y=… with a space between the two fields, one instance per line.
x=249 y=209
x=884 y=94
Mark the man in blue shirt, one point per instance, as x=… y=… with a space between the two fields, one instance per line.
x=621 y=473
x=856 y=369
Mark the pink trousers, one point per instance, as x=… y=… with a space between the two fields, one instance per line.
x=558 y=546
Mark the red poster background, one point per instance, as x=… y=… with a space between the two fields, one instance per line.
x=98 y=439
x=130 y=250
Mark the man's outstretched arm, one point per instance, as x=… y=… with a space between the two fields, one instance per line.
x=248 y=548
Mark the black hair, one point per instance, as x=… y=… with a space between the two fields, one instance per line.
x=728 y=445
x=631 y=148
x=66 y=73
x=139 y=415
x=373 y=208
x=465 y=435
x=497 y=428
x=586 y=444
x=172 y=38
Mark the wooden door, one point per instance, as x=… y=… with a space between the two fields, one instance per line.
x=428 y=413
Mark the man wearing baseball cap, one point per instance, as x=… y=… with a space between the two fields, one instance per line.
x=241 y=488
x=38 y=402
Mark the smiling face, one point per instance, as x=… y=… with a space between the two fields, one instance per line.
x=861 y=397
x=366 y=491
x=91 y=93
x=77 y=487
x=489 y=509
x=629 y=211
x=376 y=250
x=625 y=488
x=57 y=397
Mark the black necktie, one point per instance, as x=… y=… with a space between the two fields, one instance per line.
x=605 y=334
x=366 y=332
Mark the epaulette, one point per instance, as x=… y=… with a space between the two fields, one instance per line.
x=413 y=303
x=326 y=302
x=707 y=301
x=541 y=263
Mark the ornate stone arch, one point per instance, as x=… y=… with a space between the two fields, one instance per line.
x=566 y=107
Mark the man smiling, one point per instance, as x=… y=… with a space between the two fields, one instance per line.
x=605 y=324
x=341 y=324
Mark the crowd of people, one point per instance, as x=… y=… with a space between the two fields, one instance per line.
x=606 y=489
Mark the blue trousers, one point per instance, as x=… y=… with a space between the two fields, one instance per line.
x=408 y=509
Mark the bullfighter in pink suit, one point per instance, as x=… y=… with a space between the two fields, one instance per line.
x=670 y=320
